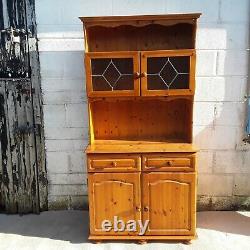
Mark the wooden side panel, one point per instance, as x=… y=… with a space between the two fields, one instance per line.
x=169 y=203
x=113 y=195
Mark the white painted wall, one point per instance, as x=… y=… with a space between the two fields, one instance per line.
x=219 y=115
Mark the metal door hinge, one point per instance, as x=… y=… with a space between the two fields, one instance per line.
x=25 y=129
x=28 y=91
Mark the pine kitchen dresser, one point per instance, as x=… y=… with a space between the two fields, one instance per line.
x=140 y=82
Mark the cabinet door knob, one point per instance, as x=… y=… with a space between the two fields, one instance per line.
x=143 y=74
x=136 y=75
x=146 y=209
x=138 y=209
x=114 y=163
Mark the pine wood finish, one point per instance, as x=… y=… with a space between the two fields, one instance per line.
x=113 y=194
x=112 y=55
x=140 y=79
x=167 y=199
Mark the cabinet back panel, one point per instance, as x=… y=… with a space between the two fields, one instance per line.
x=149 y=37
x=149 y=120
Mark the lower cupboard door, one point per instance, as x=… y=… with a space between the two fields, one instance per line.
x=169 y=203
x=114 y=199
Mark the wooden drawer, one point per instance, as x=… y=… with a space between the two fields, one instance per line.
x=168 y=162
x=114 y=163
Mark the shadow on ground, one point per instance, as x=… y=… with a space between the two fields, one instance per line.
x=73 y=226
x=228 y=222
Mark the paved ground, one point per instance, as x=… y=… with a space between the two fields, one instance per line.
x=69 y=229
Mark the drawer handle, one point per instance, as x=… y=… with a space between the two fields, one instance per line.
x=170 y=163
x=114 y=163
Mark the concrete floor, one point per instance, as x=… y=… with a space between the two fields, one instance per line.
x=69 y=230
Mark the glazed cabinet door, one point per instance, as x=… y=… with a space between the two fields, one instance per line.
x=169 y=203
x=166 y=73
x=112 y=74
x=113 y=194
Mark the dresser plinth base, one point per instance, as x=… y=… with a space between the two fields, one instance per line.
x=145 y=238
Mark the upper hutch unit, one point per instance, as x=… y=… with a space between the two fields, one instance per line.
x=140 y=81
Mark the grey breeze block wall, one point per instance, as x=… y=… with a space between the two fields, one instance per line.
x=220 y=110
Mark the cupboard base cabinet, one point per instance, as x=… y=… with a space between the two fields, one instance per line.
x=141 y=162
x=164 y=198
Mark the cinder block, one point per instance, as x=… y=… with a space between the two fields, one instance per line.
x=56 y=31
x=53 y=44
x=63 y=84
x=242 y=185
x=219 y=89
x=208 y=203
x=67 y=190
x=204 y=113
x=234 y=11
x=232 y=63
x=54 y=116
x=66 y=133
x=72 y=10
x=230 y=114
x=67 y=12
x=232 y=162
x=219 y=114
x=222 y=36
x=65 y=145
x=217 y=137
x=208 y=8
x=63 y=64
x=217 y=185
x=48 y=12
x=204 y=162
x=64 y=97
x=128 y=7
x=62 y=202
x=77 y=115
x=66 y=162
x=68 y=179
x=206 y=63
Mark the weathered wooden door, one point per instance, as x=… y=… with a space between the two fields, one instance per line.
x=23 y=183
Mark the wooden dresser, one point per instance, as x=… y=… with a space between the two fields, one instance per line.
x=140 y=80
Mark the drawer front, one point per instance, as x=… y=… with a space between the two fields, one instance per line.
x=168 y=162
x=114 y=163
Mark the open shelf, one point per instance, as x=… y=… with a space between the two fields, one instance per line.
x=142 y=120
x=128 y=146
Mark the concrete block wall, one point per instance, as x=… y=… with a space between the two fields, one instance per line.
x=220 y=108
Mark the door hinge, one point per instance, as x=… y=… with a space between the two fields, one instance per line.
x=28 y=91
